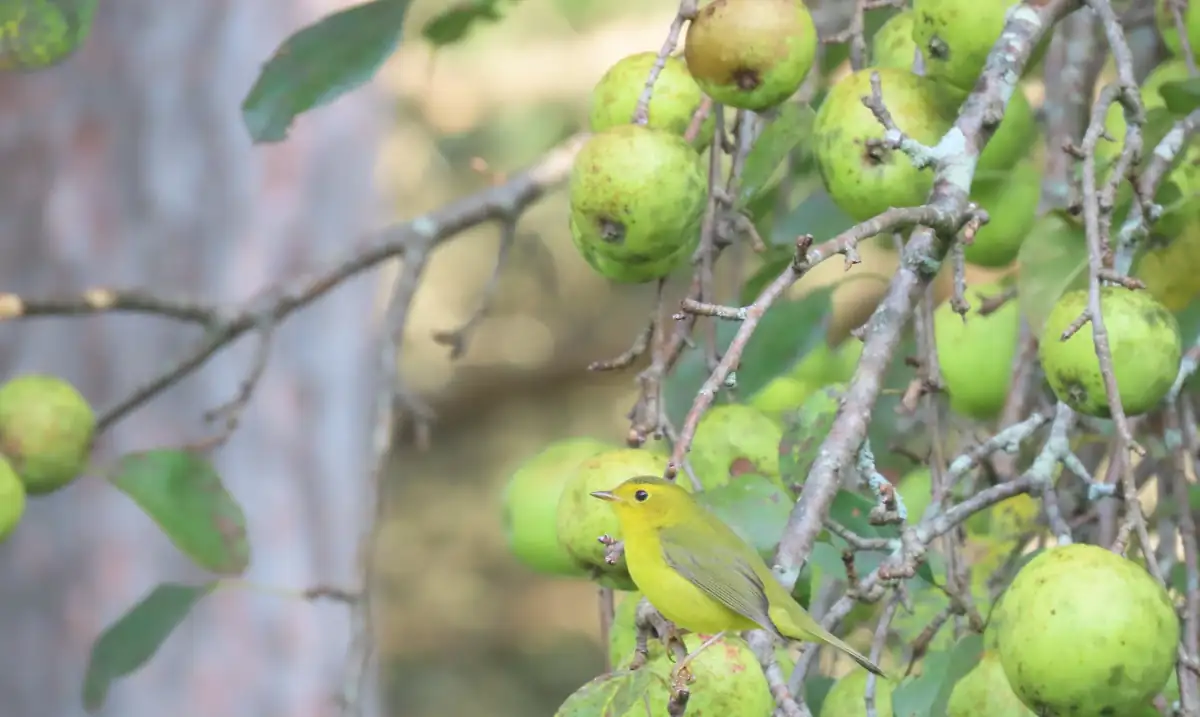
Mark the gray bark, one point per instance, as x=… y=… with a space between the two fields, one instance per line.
x=128 y=165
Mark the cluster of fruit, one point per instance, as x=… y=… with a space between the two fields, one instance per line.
x=46 y=430
x=638 y=192
x=638 y=195
x=552 y=523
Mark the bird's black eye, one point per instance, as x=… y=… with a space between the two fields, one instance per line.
x=641 y=496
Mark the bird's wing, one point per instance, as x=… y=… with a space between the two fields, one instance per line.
x=719 y=571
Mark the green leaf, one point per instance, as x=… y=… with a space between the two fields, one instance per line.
x=774 y=260
x=853 y=510
x=1189 y=322
x=1053 y=260
x=184 y=495
x=816 y=215
x=889 y=426
x=777 y=344
x=803 y=432
x=1159 y=121
x=788 y=330
x=1181 y=96
x=320 y=63
x=131 y=641
x=755 y=507
x=791 y=126
x=827 y=557
x=452 y=24
x=690 y=373
x=816 y=688
x=929 y=693
x=610 y=695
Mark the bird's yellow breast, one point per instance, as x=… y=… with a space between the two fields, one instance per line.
x=681 y=602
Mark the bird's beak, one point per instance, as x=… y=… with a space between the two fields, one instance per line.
x=605 y=495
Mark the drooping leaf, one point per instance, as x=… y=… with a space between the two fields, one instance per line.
x=184 y=495
x=755 y=507
x=815 y=690
x=785 y=132
x=455 y=22
x=1181 y=96
x=774 y=260
x=890 y=426
x=829 y=557
x=853 y=510
x=786 y=331
x=804 y=431
x=131 y=641
x=789 y=329
x=609 y=695
x=816 y=215
x=690 y=373
x=1189 y=322
x=929 y=693
x=320 y=63
x=1053 y=260
x=1159 y=121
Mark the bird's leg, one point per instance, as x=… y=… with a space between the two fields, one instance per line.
x=671 y=635
x=681 y=675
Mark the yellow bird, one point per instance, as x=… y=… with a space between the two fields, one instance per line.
x=700 y=574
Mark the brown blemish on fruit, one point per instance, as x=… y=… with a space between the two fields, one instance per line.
x=747 y=79
x=741 y=466
x=611 y=231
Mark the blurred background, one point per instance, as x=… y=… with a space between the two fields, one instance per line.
x=129 y=165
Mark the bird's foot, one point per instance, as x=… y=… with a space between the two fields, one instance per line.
x=681 y=677
x=681 y=671
x=670 y=639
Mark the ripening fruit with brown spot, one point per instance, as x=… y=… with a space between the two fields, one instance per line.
x=637 y=197
x=956 y=36
x=751 y=54
x=862 y=177
x=1143 y=338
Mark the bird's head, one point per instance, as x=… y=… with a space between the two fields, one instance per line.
x=649 y=501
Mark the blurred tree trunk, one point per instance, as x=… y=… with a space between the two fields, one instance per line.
x=128 y=165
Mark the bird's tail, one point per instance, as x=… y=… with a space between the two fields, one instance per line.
x=858 y=657
x=804 y=627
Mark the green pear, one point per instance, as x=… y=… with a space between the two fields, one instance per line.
x=46 y=430
x=674 y=100
x=892 y=45
x=530 y=504
x=984 y=692
x=581 y=519
x=976 y=355
x=1085 y=631
x=955 y=37
x=637 y=197
x=12 y=499
x=864 y=181
x=1143 y=338
x=1011 y=204
x=732 y=440
x=847 y=696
